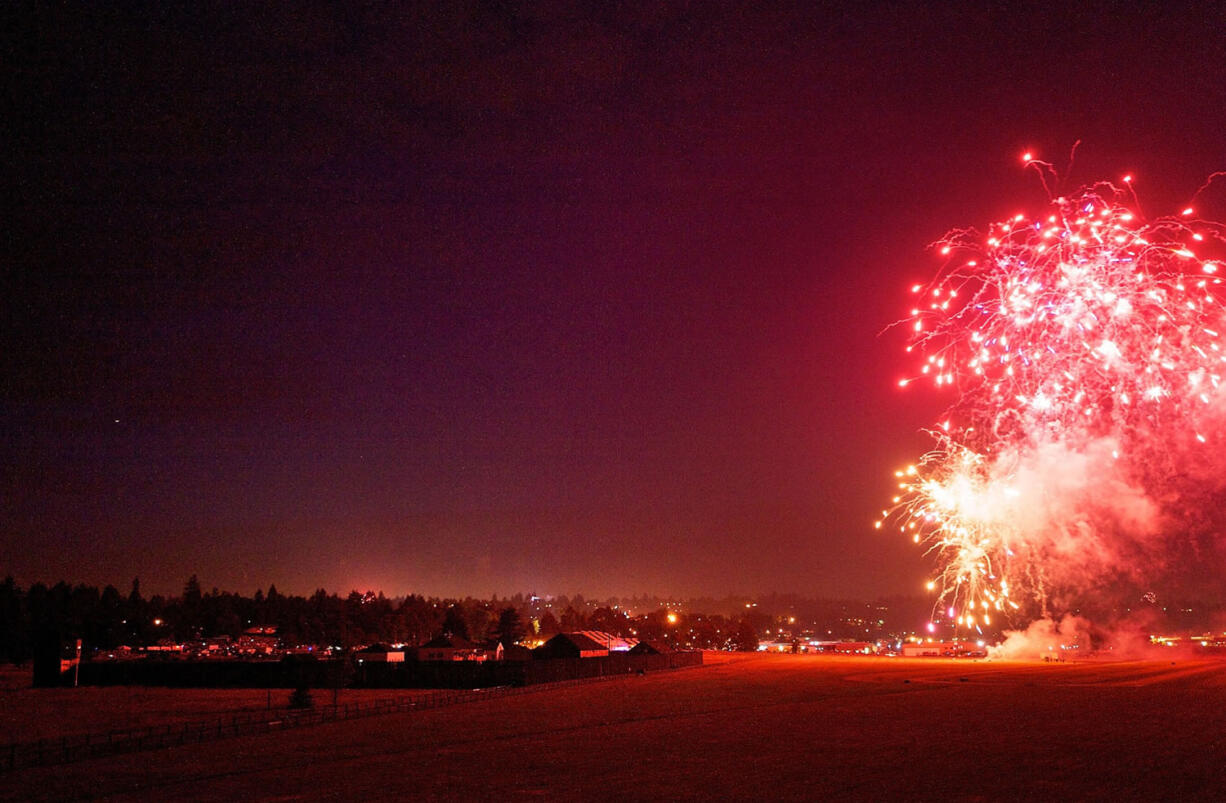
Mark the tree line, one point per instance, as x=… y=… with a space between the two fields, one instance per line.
x=107 y=618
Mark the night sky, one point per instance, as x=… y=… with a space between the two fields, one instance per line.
x=499 y=297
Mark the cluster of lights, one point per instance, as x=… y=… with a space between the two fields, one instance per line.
x=1082 y=324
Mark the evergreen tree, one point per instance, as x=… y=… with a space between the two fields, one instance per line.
x=572 y=620
x=421 y=619
x=14 y=624
x=510 y=628
x=549 y=625
x=191 y=591
x=746 y=637
x=454 y=623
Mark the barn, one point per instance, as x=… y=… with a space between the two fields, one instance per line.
x=570 y=645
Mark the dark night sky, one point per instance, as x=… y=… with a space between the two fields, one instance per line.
x=490 y=297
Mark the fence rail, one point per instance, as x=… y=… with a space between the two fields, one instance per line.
x=82 y=747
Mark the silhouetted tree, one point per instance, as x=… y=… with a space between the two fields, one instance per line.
x=608 y=620
x=549 y=625
x=454 y=622
x=651 y=626
x=105 y=628
x=187 y=620
x=14 y=624
x=479 y=617
x=191 y=591
x=746 y=638
x=510 y=628
x=422 y=620
x=572 y=620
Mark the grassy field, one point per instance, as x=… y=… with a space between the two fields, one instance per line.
x=27 y=714
x=792 y=727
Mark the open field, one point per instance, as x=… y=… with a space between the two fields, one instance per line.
x=27 y=714
x=797 y=727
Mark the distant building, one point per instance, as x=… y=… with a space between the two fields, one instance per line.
x=217 y=644
x=497 y=651
x=570 y=645
x=938 y=649
x=165 y=645
x=855 y=647
x=516 y=653
x=380 y=654
x=451 y=648
x=650 y=648
x=258 y=640
x=611 y=642
x=921 y=650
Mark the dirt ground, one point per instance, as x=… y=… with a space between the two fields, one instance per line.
x=754 y=727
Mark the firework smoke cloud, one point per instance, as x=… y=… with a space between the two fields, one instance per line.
x=1085 y=350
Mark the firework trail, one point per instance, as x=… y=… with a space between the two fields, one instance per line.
x=1085 y=349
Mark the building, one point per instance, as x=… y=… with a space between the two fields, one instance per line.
x=451 y=648
x=380 y=654
x=938 y=649
x=611 y=642
x=258 y=640
x=571 y=645
x=854 y=647
x=217 y=645
x=497 y=651
x=922 y=650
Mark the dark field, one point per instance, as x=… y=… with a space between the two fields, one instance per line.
x=760 y=726
x=28 y=714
